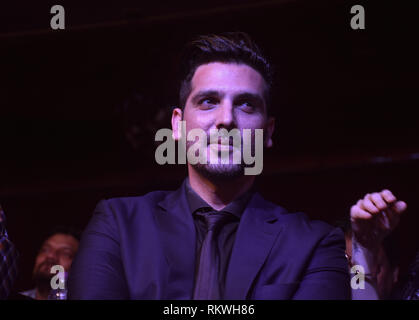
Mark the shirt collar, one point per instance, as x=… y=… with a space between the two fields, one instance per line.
x=236 y=207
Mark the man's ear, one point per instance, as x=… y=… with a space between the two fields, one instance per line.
x=176 y=119
x=269 y=130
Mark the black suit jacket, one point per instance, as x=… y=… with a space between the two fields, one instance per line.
x=144 y=248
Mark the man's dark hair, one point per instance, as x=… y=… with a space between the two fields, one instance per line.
x=67 y=230
x=230 y=47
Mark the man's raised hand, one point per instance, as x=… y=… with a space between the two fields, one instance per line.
x=375 y=216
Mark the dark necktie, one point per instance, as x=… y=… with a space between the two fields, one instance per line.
x=8 y=261
x=207 y=280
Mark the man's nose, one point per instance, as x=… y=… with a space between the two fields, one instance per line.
x=225 y=116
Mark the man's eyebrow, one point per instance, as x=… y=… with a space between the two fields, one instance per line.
x=204 y=93
x=250 y=96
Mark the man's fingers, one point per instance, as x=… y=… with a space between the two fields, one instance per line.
x=358 y=213
x=378 y=201
x=367 y=205
x=388 y=196
x=394 y=205
x=388 y=219
x=399 y=207
x=375 y=216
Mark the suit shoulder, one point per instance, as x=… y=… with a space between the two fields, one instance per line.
x=300 y=221
x=298 y=225
x=127 y=205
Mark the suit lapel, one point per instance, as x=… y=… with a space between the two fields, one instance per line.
x=255 y=237
x=177 y=232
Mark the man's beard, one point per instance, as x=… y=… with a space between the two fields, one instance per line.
x=43 y=279
x=219 y=171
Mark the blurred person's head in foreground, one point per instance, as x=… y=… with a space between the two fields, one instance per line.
x=59 y=248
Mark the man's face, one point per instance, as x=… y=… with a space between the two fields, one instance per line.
x=226 y=96
x=58 y=249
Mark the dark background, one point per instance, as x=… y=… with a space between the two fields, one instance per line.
x=79 y=107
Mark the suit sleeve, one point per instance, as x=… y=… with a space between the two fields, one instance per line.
x=327 y=274
x=97 y=271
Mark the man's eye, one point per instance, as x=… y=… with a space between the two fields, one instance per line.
x=207 y=103
x=247 y=107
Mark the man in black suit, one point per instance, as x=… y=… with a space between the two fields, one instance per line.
x=214 y=237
